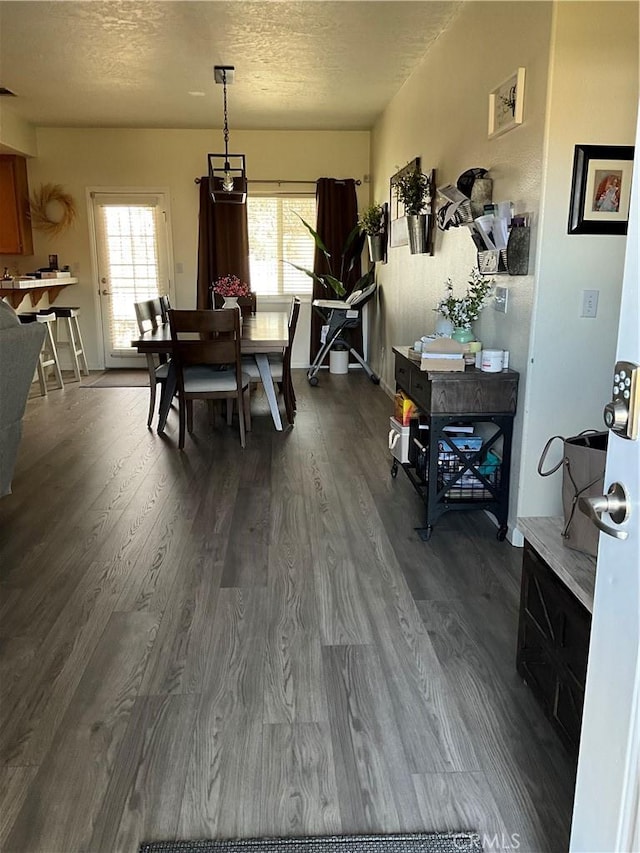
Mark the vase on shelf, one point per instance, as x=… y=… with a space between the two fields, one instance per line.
x=463 y=335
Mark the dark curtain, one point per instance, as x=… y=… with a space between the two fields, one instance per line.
x=337 y=205
x=223 y=243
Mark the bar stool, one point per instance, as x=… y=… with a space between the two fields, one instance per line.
x=69 y=316
x=48 y=354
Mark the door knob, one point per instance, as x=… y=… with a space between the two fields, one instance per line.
x=615 y=502
x=106 y=292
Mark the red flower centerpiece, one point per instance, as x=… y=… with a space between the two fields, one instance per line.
x=230 y=286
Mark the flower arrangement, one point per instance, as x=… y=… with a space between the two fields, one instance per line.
x=462 y=311
x=230 y=285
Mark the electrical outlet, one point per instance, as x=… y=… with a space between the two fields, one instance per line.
x=590 y=303
x=500 y=299
x=179 y=267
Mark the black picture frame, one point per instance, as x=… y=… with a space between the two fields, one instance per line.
x=601 y=189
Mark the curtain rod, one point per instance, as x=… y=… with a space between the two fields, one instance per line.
x=358 y=182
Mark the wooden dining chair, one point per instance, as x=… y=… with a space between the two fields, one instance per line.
x=209 y=366
x=280 y=365
x=150 y=314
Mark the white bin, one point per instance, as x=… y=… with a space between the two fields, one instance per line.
x=399 y=440
x=339 y=361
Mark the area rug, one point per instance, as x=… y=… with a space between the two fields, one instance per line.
x=430 y=842
x=133 y=378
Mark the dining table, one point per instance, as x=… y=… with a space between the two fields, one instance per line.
x=262 y=333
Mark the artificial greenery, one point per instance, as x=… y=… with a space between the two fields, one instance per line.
x=462 y=311
x=414 y=191
x=350 y=254
x=371 y=220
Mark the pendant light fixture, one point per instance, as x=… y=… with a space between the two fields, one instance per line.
x=227 y=172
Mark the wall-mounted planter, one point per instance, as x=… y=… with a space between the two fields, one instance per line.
x=417 y=228
x=377 y=245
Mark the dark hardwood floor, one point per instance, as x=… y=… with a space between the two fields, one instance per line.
x=224 y=643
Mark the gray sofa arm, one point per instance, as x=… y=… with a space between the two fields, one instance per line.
x=19 y=349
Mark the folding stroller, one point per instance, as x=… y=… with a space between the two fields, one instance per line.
x=338 y=316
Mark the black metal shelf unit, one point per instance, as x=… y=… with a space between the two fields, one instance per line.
x=449 y=473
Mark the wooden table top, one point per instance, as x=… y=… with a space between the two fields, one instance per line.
x=266 y=331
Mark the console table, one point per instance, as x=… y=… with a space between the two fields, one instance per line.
x=445 y=476
x=556 y=603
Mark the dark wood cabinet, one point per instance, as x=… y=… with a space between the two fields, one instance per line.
x=445 y=476
x=15 y=215
x=553 y=645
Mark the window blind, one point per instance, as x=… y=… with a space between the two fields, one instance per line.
x=276 y=235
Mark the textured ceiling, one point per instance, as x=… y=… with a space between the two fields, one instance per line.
x=299 y=65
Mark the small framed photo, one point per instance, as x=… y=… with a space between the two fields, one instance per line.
x=601 y=189
x=506 y=104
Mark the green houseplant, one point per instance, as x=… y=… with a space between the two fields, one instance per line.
x=413 y=189
x=463 y=310
x=335 y=278
x=372 y=222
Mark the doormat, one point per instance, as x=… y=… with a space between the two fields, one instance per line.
x=431 y=842
x=133 y=378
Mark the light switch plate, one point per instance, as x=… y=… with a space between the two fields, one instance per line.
x=500 y=299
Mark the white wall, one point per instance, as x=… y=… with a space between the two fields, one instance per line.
x=81 y=158
x=441 y=114
x=16 y=135
x=593 y=100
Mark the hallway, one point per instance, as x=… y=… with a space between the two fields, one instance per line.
x=245 y=643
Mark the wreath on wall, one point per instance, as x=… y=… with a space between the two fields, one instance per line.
x=52 y=209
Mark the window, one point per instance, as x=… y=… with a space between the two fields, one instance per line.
x=276 y=235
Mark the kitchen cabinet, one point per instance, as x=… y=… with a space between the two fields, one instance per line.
x=15 y=216
x=447 y=473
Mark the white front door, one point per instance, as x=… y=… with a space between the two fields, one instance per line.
x=606 y=812
x=131 y=262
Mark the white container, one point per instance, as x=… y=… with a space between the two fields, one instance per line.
x=399 y=440
x=491 y=360
x=339 y=361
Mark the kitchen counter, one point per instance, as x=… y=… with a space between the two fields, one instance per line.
x=15 y=289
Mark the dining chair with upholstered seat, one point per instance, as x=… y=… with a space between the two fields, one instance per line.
x=150 y=314
x=206 y=356
x=280 y=365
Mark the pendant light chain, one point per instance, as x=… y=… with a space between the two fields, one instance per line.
x=226 y=124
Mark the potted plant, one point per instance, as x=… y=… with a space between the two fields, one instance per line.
x=462 y=311
x=335 y=279
x=413 y=189
x=372 y=222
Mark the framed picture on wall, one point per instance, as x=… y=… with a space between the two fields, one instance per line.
x=506 y=104
x=600 y=189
